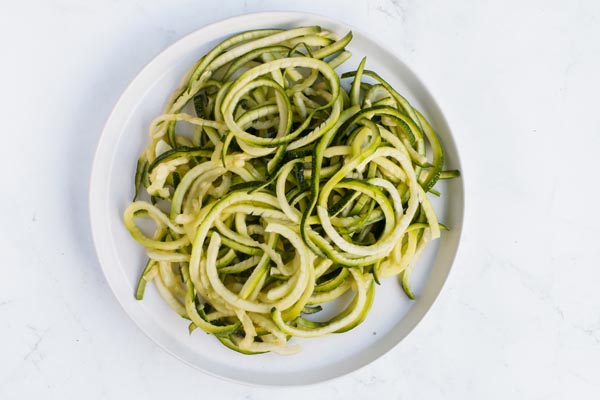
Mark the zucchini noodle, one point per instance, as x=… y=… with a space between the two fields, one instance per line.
x=273 y=190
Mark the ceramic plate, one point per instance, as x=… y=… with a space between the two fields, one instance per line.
x=392 y=316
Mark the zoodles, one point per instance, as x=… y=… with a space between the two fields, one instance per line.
x=273 y=190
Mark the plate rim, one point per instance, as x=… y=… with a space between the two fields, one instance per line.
x=94 y=203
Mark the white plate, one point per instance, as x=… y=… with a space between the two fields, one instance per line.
x=392 y=316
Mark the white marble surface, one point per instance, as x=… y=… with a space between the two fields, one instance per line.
x=518 y=81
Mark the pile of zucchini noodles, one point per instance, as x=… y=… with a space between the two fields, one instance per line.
x=274 y=190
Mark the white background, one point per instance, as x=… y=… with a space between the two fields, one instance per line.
x=519 y=83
